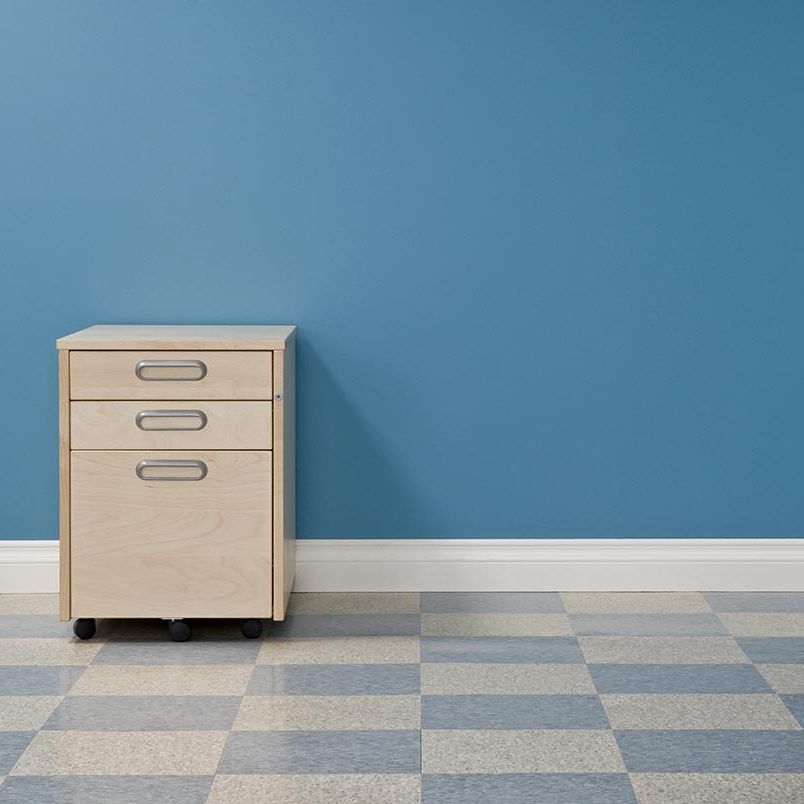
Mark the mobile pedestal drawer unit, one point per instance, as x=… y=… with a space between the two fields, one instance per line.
x=176 y=474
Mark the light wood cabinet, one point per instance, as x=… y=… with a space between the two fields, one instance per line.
x=177 y=474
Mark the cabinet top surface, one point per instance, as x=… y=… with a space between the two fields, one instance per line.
x=174 y=337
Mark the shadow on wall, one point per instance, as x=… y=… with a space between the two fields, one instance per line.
x=349 y=484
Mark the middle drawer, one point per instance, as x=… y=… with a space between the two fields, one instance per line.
x=170 y=425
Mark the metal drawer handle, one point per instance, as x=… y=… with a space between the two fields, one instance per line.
x=198 y=415
x=186 y=370
x=152 y=469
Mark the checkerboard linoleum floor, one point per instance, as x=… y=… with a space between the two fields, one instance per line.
x=401 y=698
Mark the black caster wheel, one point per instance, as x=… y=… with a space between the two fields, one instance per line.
x=251 y=629
x=179 y=630
x=84 y=627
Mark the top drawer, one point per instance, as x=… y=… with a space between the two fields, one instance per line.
x=170 y=375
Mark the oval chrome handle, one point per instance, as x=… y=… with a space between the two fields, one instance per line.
x=149 y=469
x=185 y=370
x=144 y=415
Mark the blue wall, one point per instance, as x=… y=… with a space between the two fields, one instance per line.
x=546 y=257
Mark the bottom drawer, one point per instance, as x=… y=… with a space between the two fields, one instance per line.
x=171 y=534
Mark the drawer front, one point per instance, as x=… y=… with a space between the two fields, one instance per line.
x=156 y=424
x=166 y=534
x=170 y=375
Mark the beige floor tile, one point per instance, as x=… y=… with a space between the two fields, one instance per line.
x=26 y=712
x=213 y=679
x=662 y=650
x=698 y=712
x=784 y=678
x=47 y=651
x=554 y=751
x=29 y=604
x=635 y=602
x=340 y=650
x=174 y=753
x=762 y=624
x=327 y=788
x=506 y=679
x=718 y=788
x=496 y=625
x=354 y=603
x=328 y=712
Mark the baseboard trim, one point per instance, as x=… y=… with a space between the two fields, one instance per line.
x=453 y=565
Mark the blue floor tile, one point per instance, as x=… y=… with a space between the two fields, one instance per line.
x=795 y=703
x=712 y=751
x=647 y=625
x=773 y=650
x=677 y=678
x=491 y=602
x=37 y=679
x=513 y=712
x=501 y=650
x=321 y=752
x=335 y=679
x=33 y=625
x=527 y=788
x=756 y=601
x=12 y=744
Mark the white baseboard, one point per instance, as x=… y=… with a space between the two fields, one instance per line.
x=451 y=565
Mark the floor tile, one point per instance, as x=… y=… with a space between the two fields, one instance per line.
x=156 y=630
x=105 y=789
x=647 y=625
x=795 y=703
x=107 y=753
x=501 y=650
x=335 y=679
x=12 y=744
x=224 y=651
x=26 y=712
x=29 y=604
x=340 y=650
x=712 y=751
x=162 y=713
x=321 y=752
x=718 y=788
x=661 y=650
x=635 y=602
x=527 y=788
x=773 y=650
x=756 y=601
x=495 y=625
x=33 y=626
x=180 y=680
x=55 y=651
x=506 y=679
x=354 y=603
x=325 y=625
x=677 y=678
x=787 y=678
x=489 y=602
x=764 y=624
x=37 y=680
x=328 y=713
x=324 y=788
x=697 y=712
x=520 y=752
x=534 y=712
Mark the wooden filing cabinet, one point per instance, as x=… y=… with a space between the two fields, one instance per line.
x=177 y=474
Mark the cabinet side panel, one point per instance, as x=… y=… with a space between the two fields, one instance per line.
x=64 y=484
x=284 y=476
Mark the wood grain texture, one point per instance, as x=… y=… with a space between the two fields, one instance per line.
x=171 y=548
x=159 y=336
x=112 y=425
x=284 y=477
x=64 y=485
x=110 y=375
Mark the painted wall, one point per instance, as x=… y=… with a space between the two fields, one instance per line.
x=546 y=257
